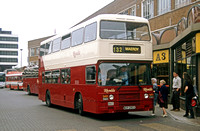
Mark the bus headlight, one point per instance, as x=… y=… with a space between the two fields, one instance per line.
x=146 y=96
x=111 y=97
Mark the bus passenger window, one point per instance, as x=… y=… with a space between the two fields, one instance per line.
x=65 y=76
x=77 y=37
x=50 y=47
x=66 y=41
x=90 y=32
x=55 y=76
x=47 y=77
x=43 y=78
x=56 y=45
x=90 y=75
x=47 y=48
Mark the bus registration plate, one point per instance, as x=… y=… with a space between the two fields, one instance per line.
x=129 y=107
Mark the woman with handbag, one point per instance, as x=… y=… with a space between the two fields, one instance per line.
x=189 y=93
x=162 y=97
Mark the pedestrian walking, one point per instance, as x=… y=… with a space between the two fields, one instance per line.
x=155 y=90
x=163 y=94
x=189 y=93
x=176 y=92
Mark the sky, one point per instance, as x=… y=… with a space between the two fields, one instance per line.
x=33 y=19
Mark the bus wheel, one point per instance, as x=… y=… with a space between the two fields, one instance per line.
x=48 y=99
x=28 y=90
x=10 y=87
x=80 y=105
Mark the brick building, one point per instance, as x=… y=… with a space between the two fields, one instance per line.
x=33 y=50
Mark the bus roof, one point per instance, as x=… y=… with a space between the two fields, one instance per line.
x=114 y=17
x=14 y=73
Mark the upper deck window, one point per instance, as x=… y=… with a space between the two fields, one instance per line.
x=77 y=37
x=66 y=41
x=90 y=32
x=124 y=31
x=56 y=45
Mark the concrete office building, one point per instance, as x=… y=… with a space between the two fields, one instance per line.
x=8 y=50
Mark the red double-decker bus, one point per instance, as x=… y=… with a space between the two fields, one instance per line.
x=100 y=66
x=14 y=80
x=31 y=80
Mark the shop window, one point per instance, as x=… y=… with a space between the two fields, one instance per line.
x=90 y=75
x=161 y=72
x=185 y=61
x=66 y=76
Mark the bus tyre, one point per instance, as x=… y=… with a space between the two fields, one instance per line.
x=48 y=99
x=80 y=105
x=10 y=87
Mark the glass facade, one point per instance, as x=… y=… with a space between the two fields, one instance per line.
x=185 y=60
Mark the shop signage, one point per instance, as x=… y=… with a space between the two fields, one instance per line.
x=198 y=43
x=161 y=56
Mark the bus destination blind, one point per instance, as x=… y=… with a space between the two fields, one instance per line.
x=126 y=49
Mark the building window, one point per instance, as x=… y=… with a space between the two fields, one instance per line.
x=32 y=51
x=15 y=39
x=13 y=53
x=9 y=60
x=148 y=9
x=164 y=6
x=133 y=11
x=37 y=51
x=14 y=46
x=124 y=12
x=180 y=3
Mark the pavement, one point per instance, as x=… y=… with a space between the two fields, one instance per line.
x=178 y=116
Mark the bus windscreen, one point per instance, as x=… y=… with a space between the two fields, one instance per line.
x=124 y=31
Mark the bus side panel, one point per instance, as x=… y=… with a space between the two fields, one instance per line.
x=88 y=91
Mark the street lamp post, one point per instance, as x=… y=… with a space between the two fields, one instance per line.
x=21 y=56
